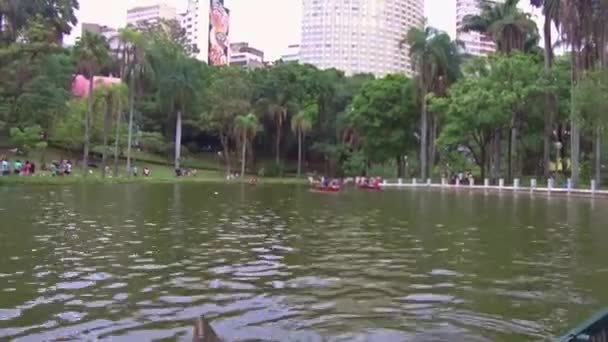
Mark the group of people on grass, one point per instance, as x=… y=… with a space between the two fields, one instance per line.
x=461 y=178
x=16 y=167
x=60 y=169
x=185 y=172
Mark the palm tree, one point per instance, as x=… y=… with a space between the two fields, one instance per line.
x=511 y=29
x=508 y=26
x=134 y=57
x=550 y=9
x=112 y=98
x=178 y=79
x=92 y=52
x=576 y=29
x=107 y=99
x=281 y=89
x=301 y=124
x=246 y=128
x=435 y=60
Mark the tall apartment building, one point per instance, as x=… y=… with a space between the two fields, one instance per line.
x=475 y=43
x=151 y=13
x=195 y=21
x=359 y=36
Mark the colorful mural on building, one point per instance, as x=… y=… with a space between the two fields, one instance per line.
x=219 y=22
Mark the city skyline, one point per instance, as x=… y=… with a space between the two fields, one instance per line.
x=249 y=22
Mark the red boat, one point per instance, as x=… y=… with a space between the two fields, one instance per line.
x=370 y=187
x=325 y=189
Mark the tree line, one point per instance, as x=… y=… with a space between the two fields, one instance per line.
x=519 y=111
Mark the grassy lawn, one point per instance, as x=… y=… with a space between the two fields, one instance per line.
x=162 y=171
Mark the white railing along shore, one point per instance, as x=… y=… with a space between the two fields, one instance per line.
x=533 y=186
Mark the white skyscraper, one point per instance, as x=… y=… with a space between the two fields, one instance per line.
x=195 y=21
x=359 y=36
x=474 y=43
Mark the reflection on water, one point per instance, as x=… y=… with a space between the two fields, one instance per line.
x=141 y=262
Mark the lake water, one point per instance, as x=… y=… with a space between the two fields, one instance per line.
x=141 y=262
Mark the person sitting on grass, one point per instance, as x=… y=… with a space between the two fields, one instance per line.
x=4 y=167
x=147 y=172
x=17 y=167
x=67 y=168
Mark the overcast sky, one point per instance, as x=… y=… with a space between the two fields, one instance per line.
x=269 y=25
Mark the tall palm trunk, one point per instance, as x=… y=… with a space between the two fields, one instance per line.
x=243 y=155
x=299 y=152
x=131 y=113
x=117 y=139
x=87 y=124
x=224 y=142
x=514 y=153
x=279 y=134
x=575 y=138
x=424 y=129
x=106 y=128
x=433 y=136
x=178 y=138
x=597 y=151
x=549 y=100
x=497 y=156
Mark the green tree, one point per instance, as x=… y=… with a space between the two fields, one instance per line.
x=227 y=94
x=383 y=114
x=436 y=63
x=301 y=124
x=92 y=52
x=67 y=131
x=111 y=99
x=474 y=113
x=246 y=127
x=591 y=98
x=517 y=78
x=281 y=91
x=583 y=30
x=550 y=9
x=134 y=67
x=509 y=27
x=28 y=138
x=16 y=14
x=178 y=80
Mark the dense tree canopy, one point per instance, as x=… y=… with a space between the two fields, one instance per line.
x=513 y=113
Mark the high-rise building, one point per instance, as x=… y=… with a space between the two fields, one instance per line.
x=476 y=44
x=150 y=14
x=241 y=54
x=359 y=36
x=206 y=23
x=195 y=21
x=292 y=55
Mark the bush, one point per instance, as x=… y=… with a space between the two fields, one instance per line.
x=152 y=142
x=354 y=165
x=273 y=170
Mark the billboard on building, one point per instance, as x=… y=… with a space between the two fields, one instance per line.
x=219 y=25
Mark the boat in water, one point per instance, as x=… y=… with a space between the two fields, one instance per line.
x=324 y=186
x=369 y=184
x=594 y=329
x=370 y=187
x=329 y=189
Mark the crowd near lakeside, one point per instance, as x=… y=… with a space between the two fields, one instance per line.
x=523 y=111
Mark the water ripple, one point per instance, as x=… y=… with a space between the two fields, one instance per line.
x=133 y=262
